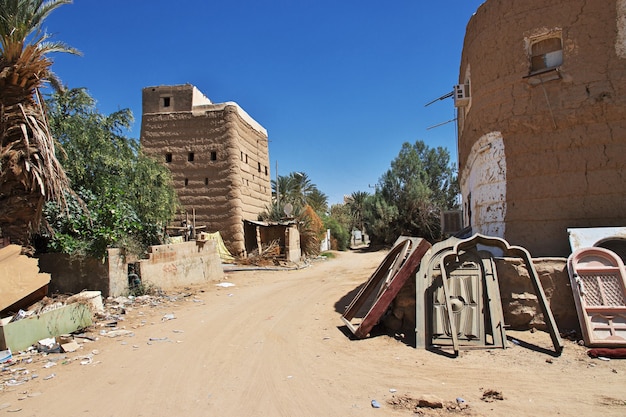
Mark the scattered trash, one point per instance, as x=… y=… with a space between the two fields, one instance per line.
x=70 y=347
x=158 y=339
x=375 y=404
x=602 y=358
x=460 y=401
x=515 y=342
x=116 y=333
x=392 y=390
x=86 y=360
x=5 y=355
x=50 y=365
x=18 y=316
x=167 y=317
x=49 y=377
x=225 y=284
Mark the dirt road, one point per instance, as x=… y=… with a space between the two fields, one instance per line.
x=273 y=345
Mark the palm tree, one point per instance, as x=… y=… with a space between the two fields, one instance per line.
x=356 y=204
x=30 y=173
x=318 y=201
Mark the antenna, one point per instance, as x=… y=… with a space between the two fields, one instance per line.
x=445 y=96
x=441 y=124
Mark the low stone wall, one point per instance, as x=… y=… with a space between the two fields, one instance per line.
x=167 y=266
x=519 y=302
x=170 y=266
x=73 y=274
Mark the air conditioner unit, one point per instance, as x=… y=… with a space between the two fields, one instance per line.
x=461 y=95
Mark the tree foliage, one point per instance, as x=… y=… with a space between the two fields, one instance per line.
x=297 y=189
x=308 y=204
x=127 y=196
x=339 y=222
x=29 y=170
x=410 y=196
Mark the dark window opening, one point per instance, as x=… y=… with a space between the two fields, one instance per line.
x=166 y=101
x=168 y=157
x=213 y=156
x=546 y=54
x=206 y=181
x=259 y=167
x=265 y=170
x=190 y=156
x=186 y=182
x=246 y=158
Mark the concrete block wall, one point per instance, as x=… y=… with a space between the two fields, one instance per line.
x=170 y=266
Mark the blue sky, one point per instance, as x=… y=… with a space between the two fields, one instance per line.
x=339 y=85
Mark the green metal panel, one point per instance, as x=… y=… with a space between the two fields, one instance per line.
x=21 y=334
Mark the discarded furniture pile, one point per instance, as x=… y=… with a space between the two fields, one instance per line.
x=457 y=293
x=27 y=315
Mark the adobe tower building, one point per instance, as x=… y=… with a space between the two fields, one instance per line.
x=542 y=120
x=218 y=156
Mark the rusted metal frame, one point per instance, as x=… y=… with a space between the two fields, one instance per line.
x=394 y=285
x=494 y=301
x=446 y=291
x=423 y=280
x=522 y=253
x=406 y=251
x=374 y=281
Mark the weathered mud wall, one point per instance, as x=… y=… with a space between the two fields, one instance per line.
x=218 y=156
x=563 y=129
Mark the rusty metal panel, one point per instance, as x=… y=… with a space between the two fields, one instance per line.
x=389 y=278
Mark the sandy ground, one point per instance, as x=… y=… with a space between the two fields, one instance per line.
x=274 y=345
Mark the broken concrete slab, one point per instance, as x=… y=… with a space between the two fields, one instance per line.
x=21 y=283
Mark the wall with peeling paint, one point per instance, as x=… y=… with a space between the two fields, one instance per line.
x=558 y=136
x=484 y=186
x=218 y=156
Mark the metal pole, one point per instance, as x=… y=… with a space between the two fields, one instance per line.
x=277 y=191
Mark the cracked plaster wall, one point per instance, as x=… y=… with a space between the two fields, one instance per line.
x=563 y=133
x=484 y=186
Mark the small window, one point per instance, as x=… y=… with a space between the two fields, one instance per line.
x=206 y=181
x=546 y=54
x=168 y=157
x=190 y=156
x=242 y=156
x=259 y=167
x=213 y=156
x=186 y=182
x=246 y=158
x=266 y=170
x=166 y=101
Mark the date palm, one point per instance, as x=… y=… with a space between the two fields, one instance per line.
x=30 y=173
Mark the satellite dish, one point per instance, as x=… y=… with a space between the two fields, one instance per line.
x=288 y=209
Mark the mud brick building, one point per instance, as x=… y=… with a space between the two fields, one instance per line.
x=218 y=156
x=541 y=106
